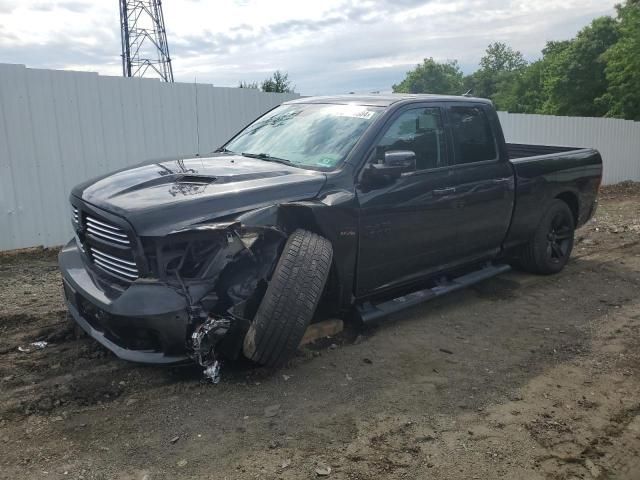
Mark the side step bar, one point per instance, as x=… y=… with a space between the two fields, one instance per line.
x=369 y=312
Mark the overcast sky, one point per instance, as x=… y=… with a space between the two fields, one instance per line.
x=328 y=46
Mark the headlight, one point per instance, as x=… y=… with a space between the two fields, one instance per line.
x=200 y=252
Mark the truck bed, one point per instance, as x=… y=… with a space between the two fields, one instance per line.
x=543 y=172
x=524 y=150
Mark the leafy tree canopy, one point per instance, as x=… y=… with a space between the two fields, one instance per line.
x=278 y=82
x=433 y=77
x=498 y=67
x=622 y=68
x=499 y=57
x=574 y=73
x=596 y=73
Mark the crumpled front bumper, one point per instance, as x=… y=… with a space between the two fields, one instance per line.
x=146 y=323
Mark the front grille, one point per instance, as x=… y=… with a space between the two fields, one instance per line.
x=105 y=231
x=113 y=264
x=108 y=246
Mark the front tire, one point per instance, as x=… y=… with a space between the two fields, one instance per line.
x=291 y=299
x=550 y=248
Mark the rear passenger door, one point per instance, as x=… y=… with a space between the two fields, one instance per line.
x=484 y=177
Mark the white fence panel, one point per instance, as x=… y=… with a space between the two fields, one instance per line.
x=58 y=128
x=618 y=141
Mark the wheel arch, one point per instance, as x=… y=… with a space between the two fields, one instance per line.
x=571 y=199
x=339 y=227
x=290 y=300
x=336 y=223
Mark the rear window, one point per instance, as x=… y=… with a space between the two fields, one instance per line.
x=473 y=140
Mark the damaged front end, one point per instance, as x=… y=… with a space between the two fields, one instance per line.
x=222 y=271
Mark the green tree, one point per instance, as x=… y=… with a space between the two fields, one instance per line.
x=524 y=92
x=433 y=77
x=278 y=82
x=596 y=73
x=574 y=70
x=499 y=57
x=499 y=66
x=622 y=98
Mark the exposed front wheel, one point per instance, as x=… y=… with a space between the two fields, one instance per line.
x=550 y=248
x=291 y=299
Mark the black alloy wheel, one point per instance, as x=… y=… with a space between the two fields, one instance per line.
x=560 y=237
x=549 y=249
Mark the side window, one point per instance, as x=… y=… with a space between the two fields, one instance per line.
x=473 y=140
x=419 y=130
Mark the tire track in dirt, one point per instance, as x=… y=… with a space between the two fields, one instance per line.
x=539 y=383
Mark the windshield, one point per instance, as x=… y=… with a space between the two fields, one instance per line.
x=306 y=135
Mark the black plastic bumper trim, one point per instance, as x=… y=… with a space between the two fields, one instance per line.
x=139 y=356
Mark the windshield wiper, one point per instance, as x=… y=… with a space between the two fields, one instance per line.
x=268 y=158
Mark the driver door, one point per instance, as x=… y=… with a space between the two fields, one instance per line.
x=408 y=224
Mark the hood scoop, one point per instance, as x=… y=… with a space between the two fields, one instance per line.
x=193 y=179
x=190 y=184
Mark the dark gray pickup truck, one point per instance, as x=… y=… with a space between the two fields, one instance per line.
x=350 y=206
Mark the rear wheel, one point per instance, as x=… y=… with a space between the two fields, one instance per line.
x=291 y=299
x=550 y=248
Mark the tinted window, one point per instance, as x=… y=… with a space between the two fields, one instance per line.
x=472 y=137
x=419 y=130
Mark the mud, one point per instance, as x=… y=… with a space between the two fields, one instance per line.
x=519 y=377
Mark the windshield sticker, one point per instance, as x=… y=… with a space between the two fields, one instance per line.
x=352 y=111
x=327 y=161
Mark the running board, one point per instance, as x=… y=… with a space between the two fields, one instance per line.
x=369 y=312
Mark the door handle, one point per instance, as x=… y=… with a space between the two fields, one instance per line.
x=444 y=191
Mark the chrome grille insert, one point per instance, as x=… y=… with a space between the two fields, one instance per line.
x=107 y=232
x=114 y=265
x=75 y=218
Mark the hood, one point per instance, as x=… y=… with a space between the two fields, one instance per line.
x=158 y=197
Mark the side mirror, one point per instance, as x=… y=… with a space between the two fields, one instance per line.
x=394 y=163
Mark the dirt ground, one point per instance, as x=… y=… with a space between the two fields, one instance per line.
x=521 y=377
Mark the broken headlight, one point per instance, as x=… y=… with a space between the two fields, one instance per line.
x=188 y=258
x=199 y=253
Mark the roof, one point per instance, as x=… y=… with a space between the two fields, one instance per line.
x=384 y=100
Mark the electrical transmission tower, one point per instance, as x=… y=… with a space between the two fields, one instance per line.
x=144 y=39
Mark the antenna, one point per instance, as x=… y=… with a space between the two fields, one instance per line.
x=468 y=93
x=144 y=39
x=195 y=87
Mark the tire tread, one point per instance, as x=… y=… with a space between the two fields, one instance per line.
x=291 y=297
x=531 y=257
